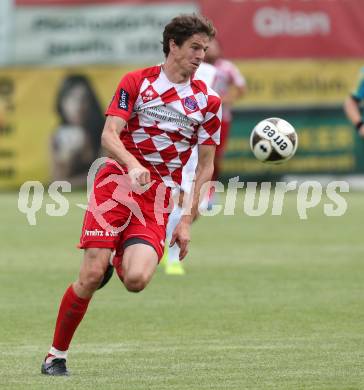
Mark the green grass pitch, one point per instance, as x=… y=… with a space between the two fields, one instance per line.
x=267 y=303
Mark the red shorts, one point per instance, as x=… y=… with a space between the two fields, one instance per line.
x=116 y=212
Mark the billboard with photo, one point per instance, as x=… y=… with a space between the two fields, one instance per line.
x=51 y=120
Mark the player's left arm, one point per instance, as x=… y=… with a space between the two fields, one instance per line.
x=208 y=139
x=204 y=171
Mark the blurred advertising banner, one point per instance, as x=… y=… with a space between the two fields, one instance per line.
x=327 y=143
x=6 y=14
x=288 y=28
x=68 y=32
x=51 y=121
x=298 y=82
x=90 y=2
x=98 y=33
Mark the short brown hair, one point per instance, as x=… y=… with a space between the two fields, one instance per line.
x=182 y=27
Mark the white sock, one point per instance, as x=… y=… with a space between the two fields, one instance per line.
x=173 y=254
x=56 y=354
x=175 y=216
x=173 y=220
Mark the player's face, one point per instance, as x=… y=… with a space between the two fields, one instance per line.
x=192 y=52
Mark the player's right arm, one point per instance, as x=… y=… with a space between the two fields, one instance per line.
x=111 y=142
x=118 y=114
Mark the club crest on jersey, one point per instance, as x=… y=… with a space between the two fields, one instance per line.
x=148 y=95
x=190 y=103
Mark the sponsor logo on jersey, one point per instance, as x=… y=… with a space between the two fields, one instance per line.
x=190 y=103
x=148 y=95
x=124 y=100
x=165 y=115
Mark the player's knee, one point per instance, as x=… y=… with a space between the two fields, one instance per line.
x=94 y=277
x=135 y=282
x=94 y=273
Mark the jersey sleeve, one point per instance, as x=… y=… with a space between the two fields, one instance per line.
x=358 y=93
x=125 y=96
x=209 y=130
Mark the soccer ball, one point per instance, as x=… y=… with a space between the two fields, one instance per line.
x=273 y=141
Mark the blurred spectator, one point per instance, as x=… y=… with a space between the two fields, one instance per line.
x=352 y=105
x=76 y=142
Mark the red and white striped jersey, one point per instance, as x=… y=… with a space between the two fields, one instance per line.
x=165 y=120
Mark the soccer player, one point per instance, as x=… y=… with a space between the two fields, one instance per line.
x=351 y=105
x=155 y=118
x=230 y=85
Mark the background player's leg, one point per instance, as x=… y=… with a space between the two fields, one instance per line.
x=139 y=264
x=172 y=264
